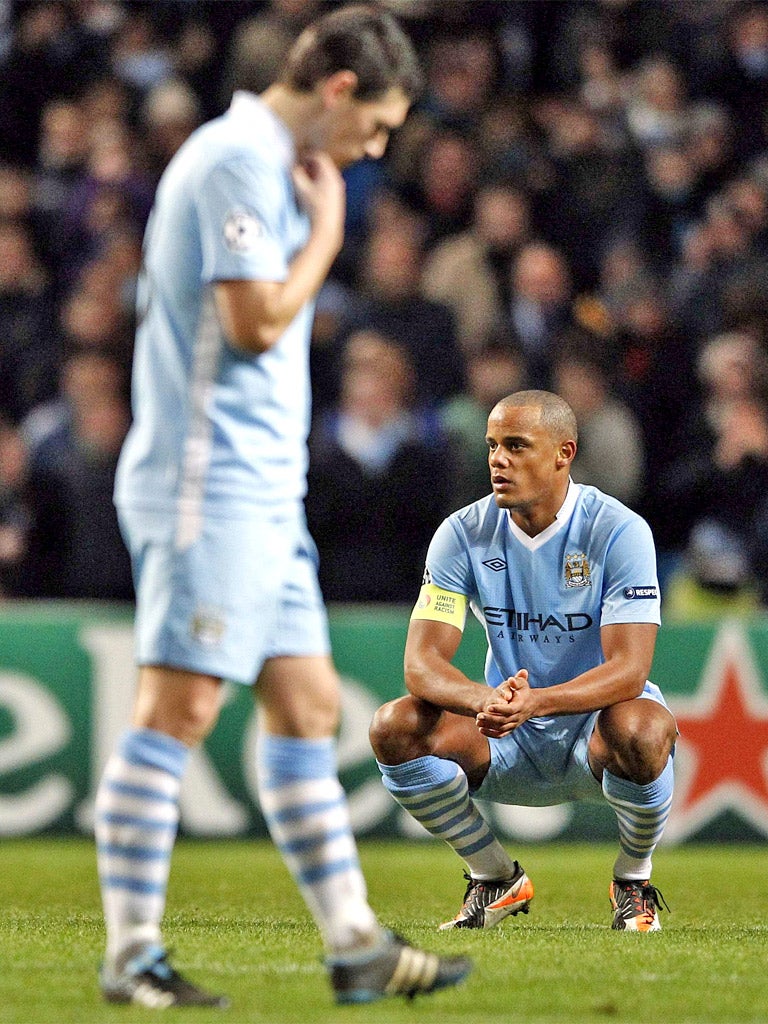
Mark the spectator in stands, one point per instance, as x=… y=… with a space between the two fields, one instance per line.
x=462 y=74
x=368 y=460
x=197 y=65
x=739 y=75
x=29 y=344
x=77 y=537
x=710 y=146
x=673 y=203
x=611 y=454
x=719 y=486
x=495 y=368
x=657 y=104
x=170 y=113
x=138 y=56
x=447 y=172
x=88 y=376
x=52 y=55
x=261 y=41
x=390 y=303
x=16 y=515
x=596 y=192
x=540 y=307
x=469 y=272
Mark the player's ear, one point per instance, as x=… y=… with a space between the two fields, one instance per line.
x=566 y=454
x=339 y=86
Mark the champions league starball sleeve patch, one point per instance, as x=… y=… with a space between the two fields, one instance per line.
x=441 y=606
x=242 y=231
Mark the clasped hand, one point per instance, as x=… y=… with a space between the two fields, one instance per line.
x=507 y=706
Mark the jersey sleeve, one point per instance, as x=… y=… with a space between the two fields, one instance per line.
x=630 y=584
x=448 y=564
x=240 y=212
x=445 y=591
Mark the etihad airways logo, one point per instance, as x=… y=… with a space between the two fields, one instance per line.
x=528 y=622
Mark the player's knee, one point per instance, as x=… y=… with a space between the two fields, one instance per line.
x=396 y=731
x=645 y=748
x=190 y=722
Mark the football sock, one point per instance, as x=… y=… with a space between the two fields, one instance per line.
x=436 y=793
x=136 y=822
x=642 y=813
x=306 y=811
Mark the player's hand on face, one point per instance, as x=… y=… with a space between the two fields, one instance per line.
x=321 y=189
x=507 y=707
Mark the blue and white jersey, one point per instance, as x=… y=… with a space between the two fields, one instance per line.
x=218 y=431
x=543 y=599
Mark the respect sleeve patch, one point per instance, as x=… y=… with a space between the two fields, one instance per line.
x=641 y=593
x=441 y=606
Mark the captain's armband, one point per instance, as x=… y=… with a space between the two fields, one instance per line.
x=441 y=606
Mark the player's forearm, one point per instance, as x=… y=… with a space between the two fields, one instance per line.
x=598 y=688
x=443 y=685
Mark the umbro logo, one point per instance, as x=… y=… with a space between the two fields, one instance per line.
x=496 y=564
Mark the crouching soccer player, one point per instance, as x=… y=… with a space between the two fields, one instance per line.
x=563 y=578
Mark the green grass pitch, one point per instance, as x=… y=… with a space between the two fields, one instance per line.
x=237 y=925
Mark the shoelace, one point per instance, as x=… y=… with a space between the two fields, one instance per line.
x=657 y=897
x=646 y=899
x=475 y=887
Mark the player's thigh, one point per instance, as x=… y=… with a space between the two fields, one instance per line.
x=299 y=696
x=211 y=605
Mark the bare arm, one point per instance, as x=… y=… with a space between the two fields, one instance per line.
x=429 y=674
x=628 y=649
x=254 y=314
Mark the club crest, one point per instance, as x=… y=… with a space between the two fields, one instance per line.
x=577 y=572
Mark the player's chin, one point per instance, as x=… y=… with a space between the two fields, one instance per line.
x=344 y=160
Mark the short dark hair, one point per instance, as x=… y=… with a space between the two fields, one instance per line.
x=356 y=38
x=556 y=415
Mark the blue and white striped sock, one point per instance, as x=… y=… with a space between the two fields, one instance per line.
x=435 y=792
x=306 y=811
x=136 y=822
x=642 y=813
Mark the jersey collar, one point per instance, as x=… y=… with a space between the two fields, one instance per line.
x=561 y=518
x=254 y=112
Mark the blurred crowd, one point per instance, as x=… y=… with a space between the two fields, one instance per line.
x=579 y=201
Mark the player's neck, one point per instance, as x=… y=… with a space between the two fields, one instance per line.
x=297 y=110
x=532 y=521
x=537 y=516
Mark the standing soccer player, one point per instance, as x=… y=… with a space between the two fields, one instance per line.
x=248 y=219
x=563 y=578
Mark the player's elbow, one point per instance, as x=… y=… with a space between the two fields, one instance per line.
x=633 y=679
x=250 y=314
x=416 y=675
x=255 y=338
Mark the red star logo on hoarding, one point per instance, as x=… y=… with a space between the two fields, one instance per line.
x=722 y=753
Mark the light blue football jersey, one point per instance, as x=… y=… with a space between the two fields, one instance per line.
x=217 y=431
x=543 y=599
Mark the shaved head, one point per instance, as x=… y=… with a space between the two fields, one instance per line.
x=556 y=415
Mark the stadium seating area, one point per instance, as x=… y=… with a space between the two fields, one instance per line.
x=579 y=201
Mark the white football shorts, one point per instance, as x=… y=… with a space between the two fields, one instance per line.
x=244 y=591
x=544 y=762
